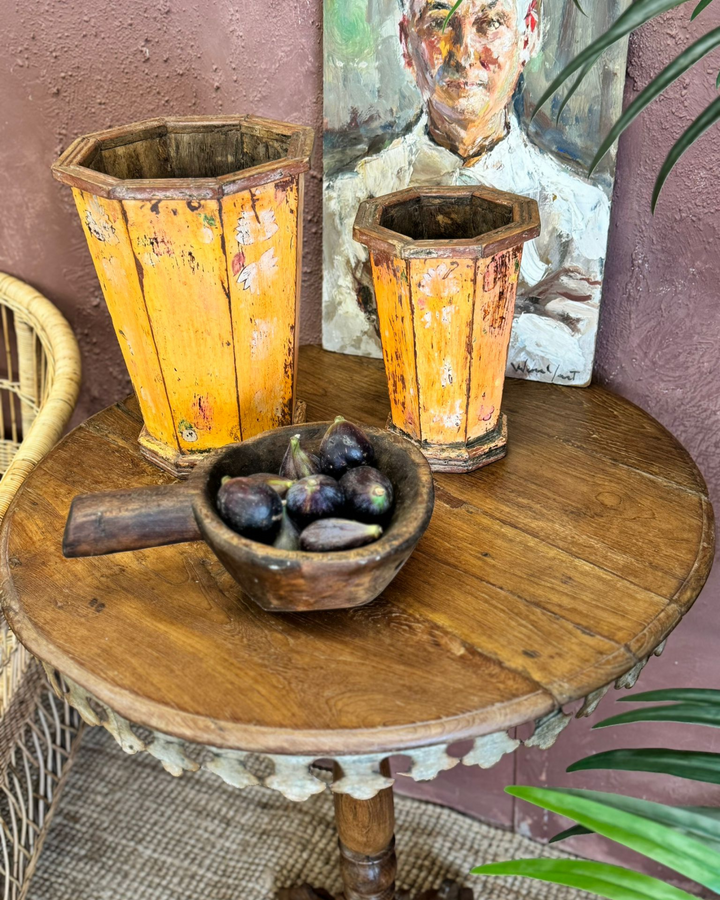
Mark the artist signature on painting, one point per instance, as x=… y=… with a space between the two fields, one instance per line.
x=526 y=370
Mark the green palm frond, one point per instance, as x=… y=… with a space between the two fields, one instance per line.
x=637 y=14
x=640 y=830
x=699 y=8
x=704 y=121
x=680 y=763
x=682 y=695
x=612 y=882
x=685 y=839
x=709 y=832
x=575 y=831
x=687 y=713
x=451 y=14
x=669 y=74
x=700 y=823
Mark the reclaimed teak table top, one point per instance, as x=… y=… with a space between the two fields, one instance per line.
x=540 y=579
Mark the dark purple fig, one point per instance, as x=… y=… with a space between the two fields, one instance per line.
x=289 y=537
x=252 y=509
x=337 y=534
x=276 y=482
x=344 y=446
x=279 y=484
x=314 y=497
x=297 y=463
x=368 y=494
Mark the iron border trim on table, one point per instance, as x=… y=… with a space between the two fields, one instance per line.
x=292 y=775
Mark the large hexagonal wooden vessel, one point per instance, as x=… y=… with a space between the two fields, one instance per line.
x=445 y=265
x=195 y=228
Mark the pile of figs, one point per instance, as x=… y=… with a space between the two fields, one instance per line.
x=335 y=500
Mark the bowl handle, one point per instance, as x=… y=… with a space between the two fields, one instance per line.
x=130 y=520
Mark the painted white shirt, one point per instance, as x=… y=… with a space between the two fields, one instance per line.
x=556 y=315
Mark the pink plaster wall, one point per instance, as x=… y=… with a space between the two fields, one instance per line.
x=80 y=66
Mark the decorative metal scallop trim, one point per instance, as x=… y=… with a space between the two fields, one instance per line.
x=293 y=776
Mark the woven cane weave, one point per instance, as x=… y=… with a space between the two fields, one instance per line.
x=126 y=830
x=39 y=383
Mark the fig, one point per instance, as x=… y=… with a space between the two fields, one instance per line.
x=344 y=446
x=279 y=484
x=289 y=536
x=252 y=509
x=297 y=463
x=276 y=482
x=337 y=534
x=368 y=493
x=314 y=497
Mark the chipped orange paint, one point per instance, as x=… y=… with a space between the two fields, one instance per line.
x=392 y=293
x=179 y=248
x=496 y=287
x=204 y=298
x=109 y=243
x=261 y=239
x=445 y=330
x=442 y=293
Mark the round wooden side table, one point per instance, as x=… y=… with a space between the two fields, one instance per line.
x=543 y=579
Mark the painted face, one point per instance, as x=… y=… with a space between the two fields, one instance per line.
x=467 y=73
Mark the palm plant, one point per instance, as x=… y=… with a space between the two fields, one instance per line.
x=637 y=14
x=686 y=839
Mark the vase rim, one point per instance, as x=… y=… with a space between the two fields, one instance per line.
x=522 y=223
x=291 y=145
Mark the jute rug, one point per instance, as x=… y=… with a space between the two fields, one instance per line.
x=126 y=830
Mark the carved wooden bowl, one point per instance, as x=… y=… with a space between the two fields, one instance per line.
x=277 y=580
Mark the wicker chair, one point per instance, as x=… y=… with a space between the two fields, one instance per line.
x=39 y=384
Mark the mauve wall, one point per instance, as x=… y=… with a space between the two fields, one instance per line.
x=83 y=65
x=80 y=66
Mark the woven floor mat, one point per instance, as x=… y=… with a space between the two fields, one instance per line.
x=126 y=830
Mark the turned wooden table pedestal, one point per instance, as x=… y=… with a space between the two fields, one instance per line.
x=543 y=579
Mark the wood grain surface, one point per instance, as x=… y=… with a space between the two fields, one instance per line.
x=540 y=578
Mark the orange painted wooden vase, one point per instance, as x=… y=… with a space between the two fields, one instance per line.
x=445 y=264
x=195 y=228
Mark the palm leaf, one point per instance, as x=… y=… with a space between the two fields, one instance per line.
x=635 y=15
x=451 y=14
x=688 y=713
x=684 y=695
x=612 y=882
x=662 y=843
x=456 y=5
x=692 y=820
x=699 y=8
x=669 y=74
x=570 y=832
x=681 y=763
x=707 y=812
x=705 y=120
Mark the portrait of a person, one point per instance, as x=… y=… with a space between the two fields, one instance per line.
x=468 y=74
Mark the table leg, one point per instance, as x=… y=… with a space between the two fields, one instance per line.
x=366 y=832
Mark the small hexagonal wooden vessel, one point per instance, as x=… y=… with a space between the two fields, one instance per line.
x=195 y=228
x=445 y=265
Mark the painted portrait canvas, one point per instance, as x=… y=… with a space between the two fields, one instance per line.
x=411 y=101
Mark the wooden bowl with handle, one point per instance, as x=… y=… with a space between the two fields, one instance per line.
x=277 y=580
